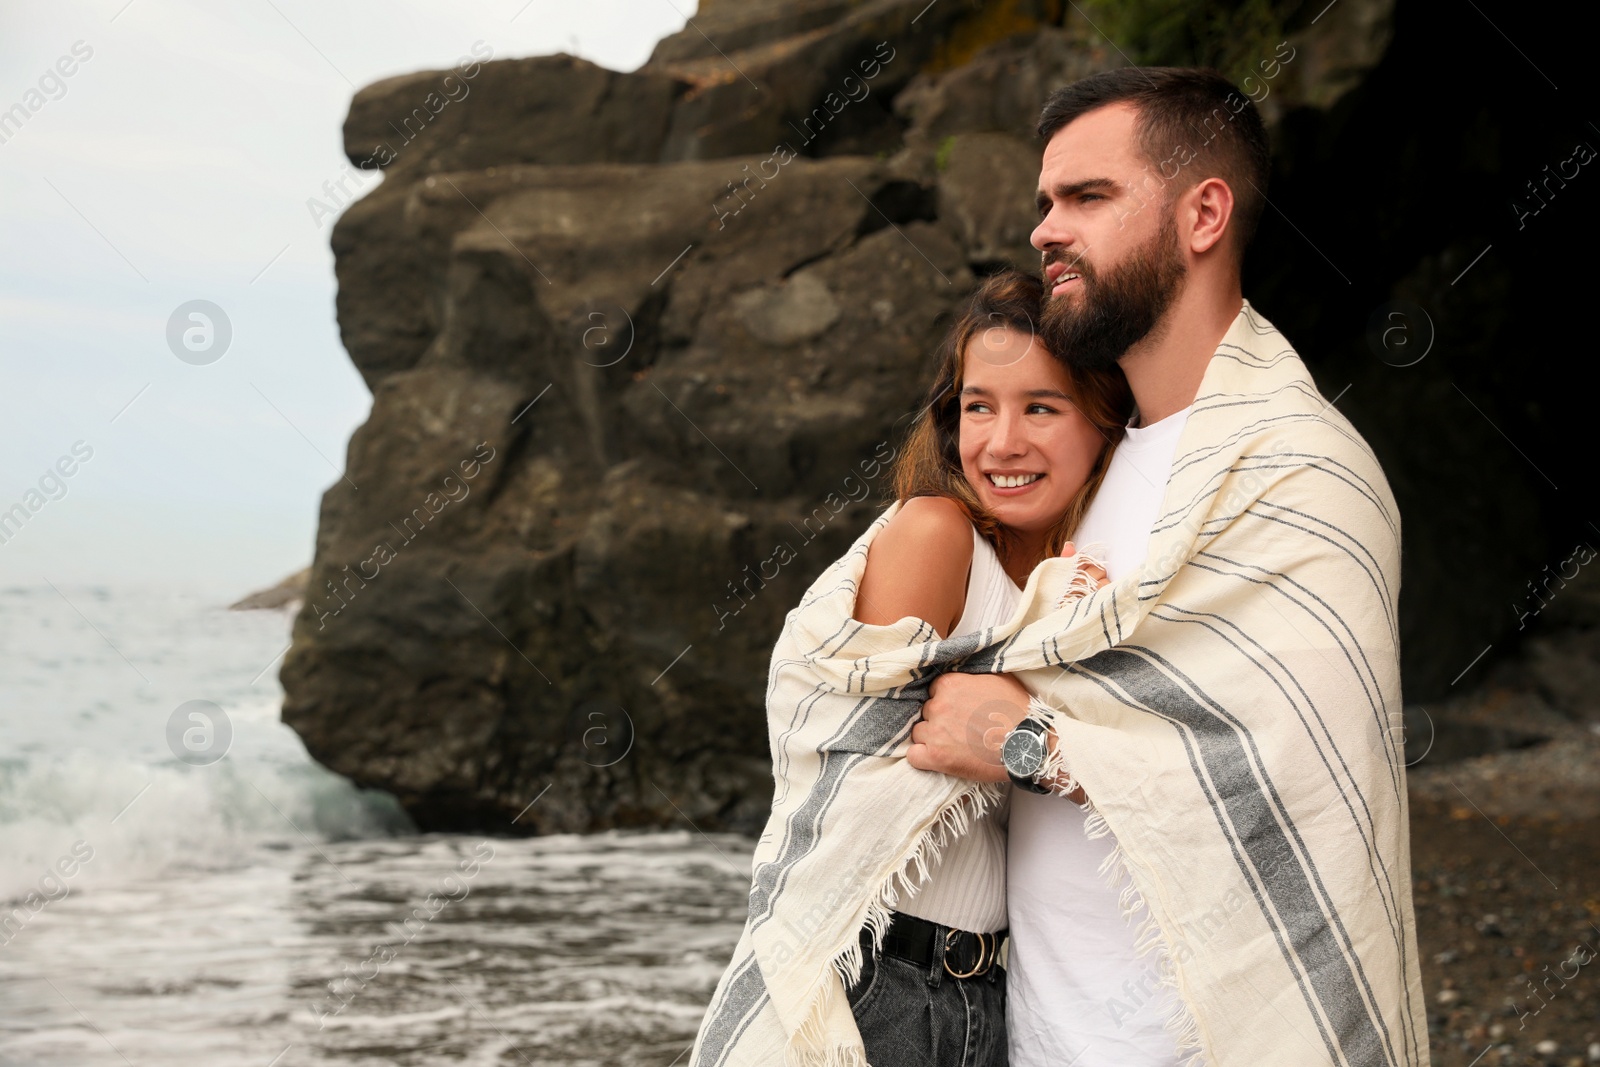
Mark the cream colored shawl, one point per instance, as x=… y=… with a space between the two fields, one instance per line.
x=1228 y=708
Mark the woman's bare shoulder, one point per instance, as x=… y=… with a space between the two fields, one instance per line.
x=917 y=565
x=935 y=523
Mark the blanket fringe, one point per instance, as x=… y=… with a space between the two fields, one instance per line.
x=1054 y=769
x=952 y=822
x=810 y=1046
x=1149 y=941
x=1082 y=585
x=813 y=1051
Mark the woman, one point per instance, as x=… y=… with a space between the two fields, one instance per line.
x=995 y=476
x=877 y=903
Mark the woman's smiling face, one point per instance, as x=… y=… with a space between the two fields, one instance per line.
x=1019 y=425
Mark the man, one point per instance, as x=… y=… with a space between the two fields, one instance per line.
x=1230 y=747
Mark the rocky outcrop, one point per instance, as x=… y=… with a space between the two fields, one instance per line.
x=1525 y=742
x=640 y=345
x=289 y=593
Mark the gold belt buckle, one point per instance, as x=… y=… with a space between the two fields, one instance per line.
x=983 y=955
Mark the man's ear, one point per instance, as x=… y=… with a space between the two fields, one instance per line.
x=1211 y=208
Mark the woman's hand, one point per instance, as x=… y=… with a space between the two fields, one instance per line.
x=1093 y=574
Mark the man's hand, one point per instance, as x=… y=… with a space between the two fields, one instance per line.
x=964 y=722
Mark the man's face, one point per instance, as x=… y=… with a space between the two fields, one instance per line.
x=1109 y=247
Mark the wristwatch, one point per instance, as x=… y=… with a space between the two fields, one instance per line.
x=1023 y=754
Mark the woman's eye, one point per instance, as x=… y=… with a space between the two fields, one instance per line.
x=976 y=405
x=1046 y=408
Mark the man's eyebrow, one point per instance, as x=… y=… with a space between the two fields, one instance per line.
x=1065 y=190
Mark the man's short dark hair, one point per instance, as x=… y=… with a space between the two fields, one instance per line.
x=1178 y=107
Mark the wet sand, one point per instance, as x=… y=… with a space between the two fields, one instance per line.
x=1506 y=873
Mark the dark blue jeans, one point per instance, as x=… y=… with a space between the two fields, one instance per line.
x=915 y=1016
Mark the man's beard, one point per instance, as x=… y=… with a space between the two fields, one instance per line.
x=1114 y=312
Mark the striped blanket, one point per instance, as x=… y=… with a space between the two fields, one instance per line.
x=1230 y=709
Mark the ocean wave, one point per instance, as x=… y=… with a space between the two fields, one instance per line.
x=139 y=819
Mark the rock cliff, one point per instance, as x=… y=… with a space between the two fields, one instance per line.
x=640 y=345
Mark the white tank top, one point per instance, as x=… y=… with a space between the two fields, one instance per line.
x=966 y=886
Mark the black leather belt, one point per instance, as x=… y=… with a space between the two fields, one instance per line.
x=966 y=954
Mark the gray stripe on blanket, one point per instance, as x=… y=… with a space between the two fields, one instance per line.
x=878 y=723
x=1296 y=915
x=742 y=1000
x=1382 y=882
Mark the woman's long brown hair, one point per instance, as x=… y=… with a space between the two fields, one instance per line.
x=929 y=463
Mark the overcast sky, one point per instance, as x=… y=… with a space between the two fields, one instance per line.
x=160 y=152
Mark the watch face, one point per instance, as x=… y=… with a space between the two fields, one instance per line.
x=1023 y=753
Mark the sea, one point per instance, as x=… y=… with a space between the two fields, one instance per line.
x=180 y=884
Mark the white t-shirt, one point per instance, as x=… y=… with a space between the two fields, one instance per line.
x=1075 y=991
